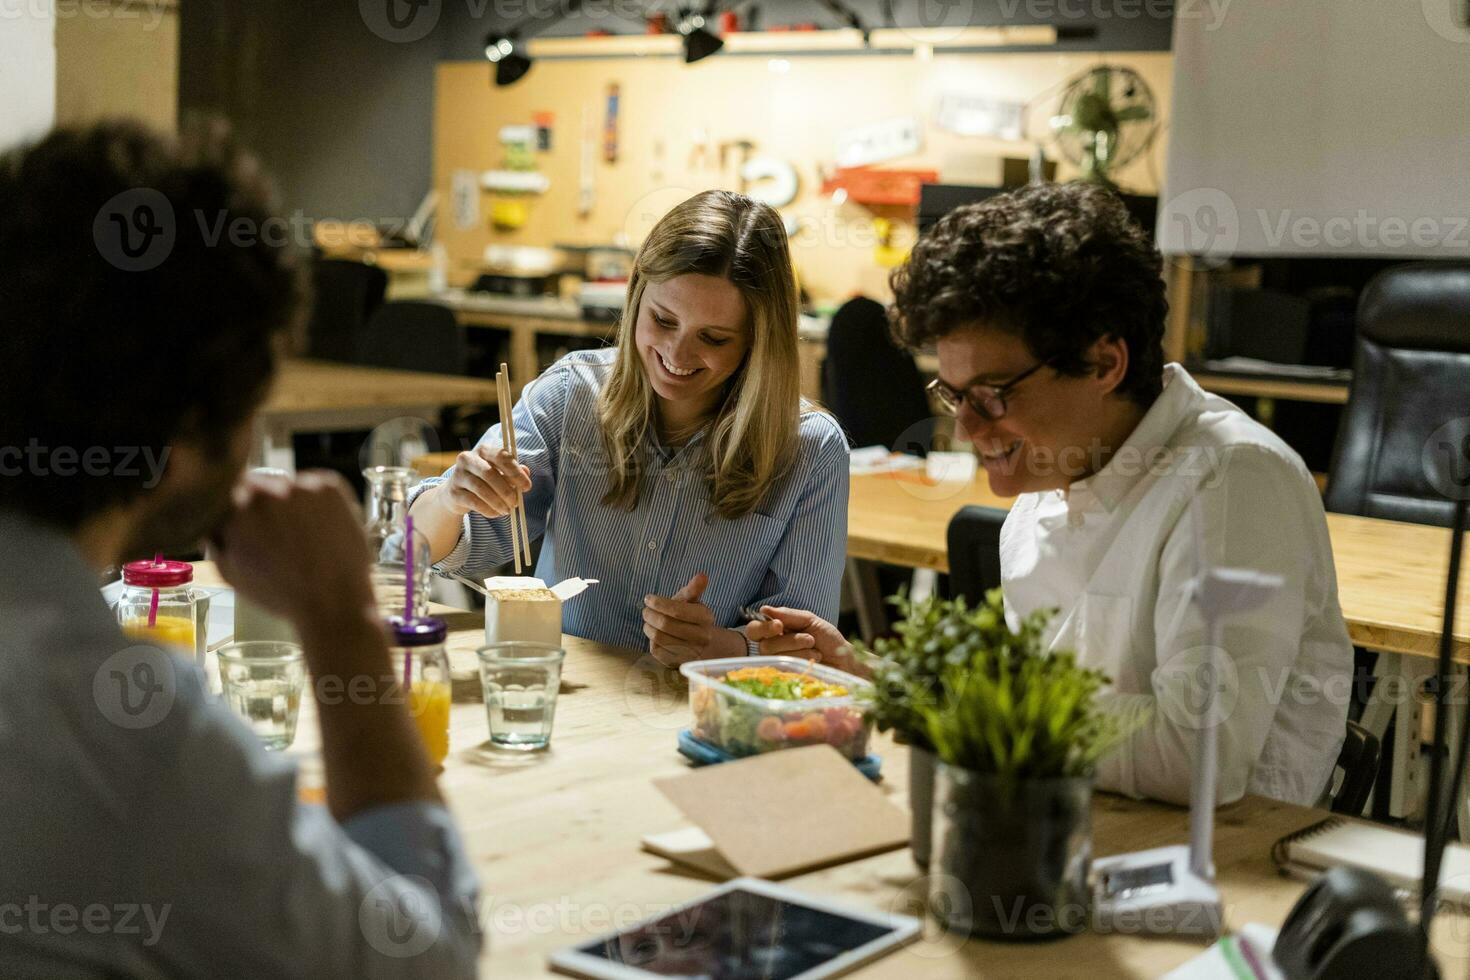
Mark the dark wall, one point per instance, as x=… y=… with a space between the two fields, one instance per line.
x=337 y=95
x=342 y=116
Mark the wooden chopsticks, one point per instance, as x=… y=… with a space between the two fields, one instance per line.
x=520 y=537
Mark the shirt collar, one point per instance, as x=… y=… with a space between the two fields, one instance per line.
x=1179 y=401
x=667 y=454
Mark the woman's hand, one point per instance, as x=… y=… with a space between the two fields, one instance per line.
x=680 y=628
x=798 y=633
x=485 y=480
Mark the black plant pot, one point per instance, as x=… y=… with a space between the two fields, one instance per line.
x=921 y=801
x=1010 y=857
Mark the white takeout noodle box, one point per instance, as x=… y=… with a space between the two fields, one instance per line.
x=519 y=607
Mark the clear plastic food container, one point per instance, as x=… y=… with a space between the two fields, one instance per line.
x=746 y=723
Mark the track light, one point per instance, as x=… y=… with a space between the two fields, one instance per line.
x=698 y=42
x=510 y=64
x=848 y=16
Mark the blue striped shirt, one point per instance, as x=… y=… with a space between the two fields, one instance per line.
x=789 y=552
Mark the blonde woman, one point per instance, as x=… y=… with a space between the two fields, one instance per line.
x=680 y=468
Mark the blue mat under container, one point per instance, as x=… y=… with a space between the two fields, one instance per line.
x=702 y=753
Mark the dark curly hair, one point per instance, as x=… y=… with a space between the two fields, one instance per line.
x=1060 y=265
x=122 y=347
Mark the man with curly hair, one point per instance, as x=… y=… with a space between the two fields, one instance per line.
x=1046 y=307
x=146 y=832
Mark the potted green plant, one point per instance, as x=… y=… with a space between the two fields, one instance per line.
x=931 y=634
x=1018 y=732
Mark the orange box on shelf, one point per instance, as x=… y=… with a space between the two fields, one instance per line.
x=865 y=186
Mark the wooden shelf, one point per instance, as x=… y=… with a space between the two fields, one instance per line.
x=1283 y=389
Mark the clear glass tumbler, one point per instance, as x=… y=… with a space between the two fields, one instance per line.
x=262 y=681
x=520 y=680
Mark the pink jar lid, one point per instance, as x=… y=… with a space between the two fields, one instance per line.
x=157 y=574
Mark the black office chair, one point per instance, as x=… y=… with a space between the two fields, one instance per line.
x=1356 y=770
x=346 y=294
x=414 y=336
x=1411 y=375
x=974 y=552
x=872 y=385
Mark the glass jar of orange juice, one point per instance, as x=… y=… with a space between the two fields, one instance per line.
x=421 y=664
x=158 y=604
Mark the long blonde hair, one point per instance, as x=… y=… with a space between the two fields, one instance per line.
x=752 y=438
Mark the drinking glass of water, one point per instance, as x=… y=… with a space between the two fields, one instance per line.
x=521 y=681
x=262 y=681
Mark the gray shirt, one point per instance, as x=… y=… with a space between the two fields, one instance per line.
x=144 y=833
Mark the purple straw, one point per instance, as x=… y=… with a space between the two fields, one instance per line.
x=408 y=568
x=408 y=597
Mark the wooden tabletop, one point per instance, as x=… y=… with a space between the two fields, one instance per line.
x=555 y=836
x=321 y=386
x=1390 y=575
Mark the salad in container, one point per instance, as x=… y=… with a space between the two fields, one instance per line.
x=750 y=705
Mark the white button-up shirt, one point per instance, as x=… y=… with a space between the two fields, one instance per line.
x=1114 y=553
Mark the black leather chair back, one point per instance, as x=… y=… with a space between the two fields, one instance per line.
x=346 y=294
x=973 y=541
x=414 y=336
x=1411 y=376
x=872 y=385
x=1358 y=763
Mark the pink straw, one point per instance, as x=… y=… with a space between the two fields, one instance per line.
x=153 y=603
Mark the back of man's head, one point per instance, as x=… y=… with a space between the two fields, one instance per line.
x=144 y=293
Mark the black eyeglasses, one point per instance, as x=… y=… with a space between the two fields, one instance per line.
x=988 y=401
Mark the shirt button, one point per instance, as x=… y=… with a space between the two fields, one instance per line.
x=1075 y=518
x=652 y=545
x=671 y=477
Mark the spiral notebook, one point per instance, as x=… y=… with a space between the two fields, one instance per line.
x=1395 y=855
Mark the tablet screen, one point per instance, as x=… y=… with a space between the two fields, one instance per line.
x=737 y=935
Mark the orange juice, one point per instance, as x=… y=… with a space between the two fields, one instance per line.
x=428 y=701
x=174 y=631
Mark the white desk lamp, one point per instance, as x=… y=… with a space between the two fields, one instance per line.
x=1171 y=890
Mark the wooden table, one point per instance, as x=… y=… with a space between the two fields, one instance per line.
x=1283 y=389
x=525 y=321
x=555 y=835
x=1390 y=575
x=323 y=396
x=1390 y=584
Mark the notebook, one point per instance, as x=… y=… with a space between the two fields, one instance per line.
x=1395 y=855
x=781 y=813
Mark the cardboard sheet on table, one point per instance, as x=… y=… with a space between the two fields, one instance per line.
x=781 y=813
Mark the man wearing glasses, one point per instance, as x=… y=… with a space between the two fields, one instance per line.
x=1046 y=307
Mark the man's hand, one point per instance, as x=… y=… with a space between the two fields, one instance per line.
x=680 y=628
x=798 y=633
x=297 y=547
